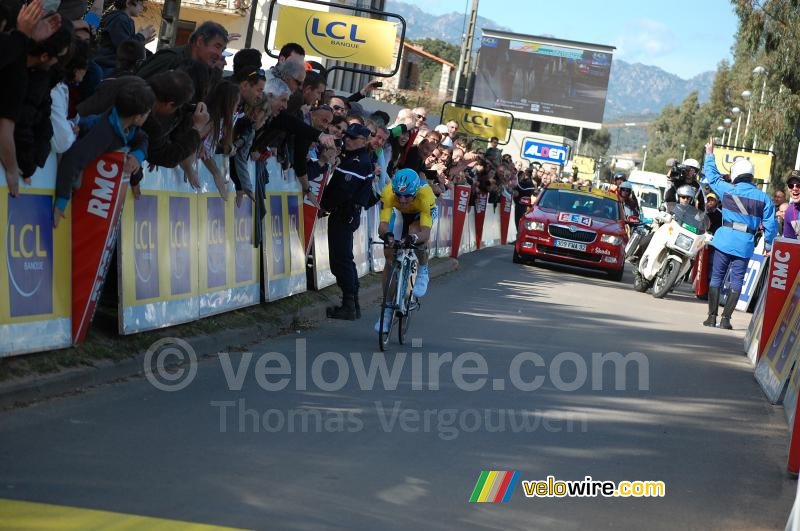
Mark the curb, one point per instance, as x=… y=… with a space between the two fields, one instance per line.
x=35 y=388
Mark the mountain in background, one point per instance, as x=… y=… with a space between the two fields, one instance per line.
x=633 y=90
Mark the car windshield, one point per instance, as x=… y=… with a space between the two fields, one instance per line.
x=584 y=204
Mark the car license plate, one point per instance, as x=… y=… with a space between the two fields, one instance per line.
x=570 y=245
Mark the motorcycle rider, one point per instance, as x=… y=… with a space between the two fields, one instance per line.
x=744 y=209
x=685 y=196
x=691 y=169
x=628 y=199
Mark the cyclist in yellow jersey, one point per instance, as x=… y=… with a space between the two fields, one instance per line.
x=417 y=204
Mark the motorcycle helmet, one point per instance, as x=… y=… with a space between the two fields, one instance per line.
x=742 y=170
x=405 y=182
x=625 y=186
x=686 y=191
x=620 y=177
x=692 y=163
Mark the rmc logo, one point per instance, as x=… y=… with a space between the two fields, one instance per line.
x=335 y=33
x=534 y=150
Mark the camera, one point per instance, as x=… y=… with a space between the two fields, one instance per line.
x=190 y=107
x=678 y=171
x=338 y=142
x=377 y=84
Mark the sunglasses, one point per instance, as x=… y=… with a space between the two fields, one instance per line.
x=794 y=185
x=338 y=108
x=421 y=117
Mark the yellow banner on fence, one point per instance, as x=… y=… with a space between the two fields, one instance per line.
x=584 y=165
x=480 y=123
x=358 y=40
x=762 y=162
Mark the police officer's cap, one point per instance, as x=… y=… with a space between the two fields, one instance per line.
x=356 y=130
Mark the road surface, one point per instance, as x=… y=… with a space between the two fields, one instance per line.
x=696 y=421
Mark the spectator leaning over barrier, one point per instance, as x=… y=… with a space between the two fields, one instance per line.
x=337 y=126
x=206 y=45
x=791 y=218
x=493 y=153
x=118 y=27
x=340 y=106
x=130 y=55
x=417 y=155
x=420 y=116
x=113 y=130
x=452 y=131
x=349 y=190
x=744 y=209
x=217 y=137
x=65 y=130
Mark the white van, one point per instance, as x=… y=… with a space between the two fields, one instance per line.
x=650 y=199
x=659 y=180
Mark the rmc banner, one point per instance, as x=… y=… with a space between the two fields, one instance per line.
x=35 y=305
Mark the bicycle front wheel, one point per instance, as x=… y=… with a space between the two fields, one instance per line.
x=389 y=297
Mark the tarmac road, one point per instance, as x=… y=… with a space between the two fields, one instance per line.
x=690 y=415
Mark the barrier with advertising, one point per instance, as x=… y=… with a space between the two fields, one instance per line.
x=481 y=203
x=762 y=161
x=752 y=278
x=753 y=332
x=35 y=298
x=96 y=209
x=444 y=232
x=783 y=270
x=184 y=254
x=461 y=195
x=479 y=122
x=506 y=204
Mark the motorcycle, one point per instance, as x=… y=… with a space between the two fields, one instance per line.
x=638 y=231
x=675 y=243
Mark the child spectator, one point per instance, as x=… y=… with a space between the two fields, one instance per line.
x=118 y=27
x=62 y=114
x=113 y=130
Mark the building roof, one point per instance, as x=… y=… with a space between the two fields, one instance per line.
x=419 y=51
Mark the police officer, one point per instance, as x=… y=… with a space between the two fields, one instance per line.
x=744 y=209
x=525 y=188
x=349 y=190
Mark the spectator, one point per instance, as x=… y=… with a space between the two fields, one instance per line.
x=778 y=198
x=206 y=45
x=113 y=130
x=251 y=82
x=525 y=188
x=417 y=155
x=310 y=93
x=493 y=153
x=246 y=57
x=452 y=130
x=338 y=126
x=25 y=128
x=130 y=55
x=420 y=116
x=244 y=132
x=65 y=129
x=791 y=219
x=340 y=106
x=217 y=136
x=405 y=116
x=380 y=118
x=292 y=52
x=118 y=27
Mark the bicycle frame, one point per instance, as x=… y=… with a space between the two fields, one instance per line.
x=407 y=260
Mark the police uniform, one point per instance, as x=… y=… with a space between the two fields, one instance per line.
x=744 y=209
x=349 y=190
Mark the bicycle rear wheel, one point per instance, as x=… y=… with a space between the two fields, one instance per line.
x=389 y=292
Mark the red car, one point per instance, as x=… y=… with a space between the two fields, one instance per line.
x=576 y=225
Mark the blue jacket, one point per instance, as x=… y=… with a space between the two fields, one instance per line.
x=743 y=204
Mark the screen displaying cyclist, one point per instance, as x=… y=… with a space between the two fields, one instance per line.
x=416 y=203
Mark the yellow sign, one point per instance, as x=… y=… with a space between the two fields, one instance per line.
x=584 y=165
x=762 y=162
x=358 y=40
x=582 y=189
x=479 y=123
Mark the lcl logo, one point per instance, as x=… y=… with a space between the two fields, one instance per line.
x=476 y=119
x=143 y=236
x=17 y=242
x=178 y=235
x=216 y=232
x=332 y=30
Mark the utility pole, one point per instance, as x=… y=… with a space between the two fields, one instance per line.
x=169 y=24
x=465 y=59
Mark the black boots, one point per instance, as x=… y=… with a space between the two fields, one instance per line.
x=713 y=307
x=730 y=305
x=346 y=311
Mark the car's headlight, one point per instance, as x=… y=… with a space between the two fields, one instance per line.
x=610 y=238
x=534 y=225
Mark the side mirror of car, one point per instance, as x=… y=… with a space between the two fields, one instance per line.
x=525 y=201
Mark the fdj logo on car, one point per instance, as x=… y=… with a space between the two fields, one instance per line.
x=544 y=151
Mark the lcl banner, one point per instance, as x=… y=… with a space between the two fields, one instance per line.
x=96 y=208
x=34 y=269
x=339 y=37
x=478 y=121
x=460 y=209
x=762 y=161
x=481 y=203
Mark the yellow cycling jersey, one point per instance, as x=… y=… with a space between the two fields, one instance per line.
x=424 y=204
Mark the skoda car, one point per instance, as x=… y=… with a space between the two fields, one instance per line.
x=576 y=225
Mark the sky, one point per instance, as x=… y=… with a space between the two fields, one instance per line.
x=684 y=37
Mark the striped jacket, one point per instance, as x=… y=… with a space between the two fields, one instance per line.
x=745 y=208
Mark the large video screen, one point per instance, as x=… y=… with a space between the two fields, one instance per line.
x=543 y=79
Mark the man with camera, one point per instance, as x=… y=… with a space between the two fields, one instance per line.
x=684 y=174
x=349 y=190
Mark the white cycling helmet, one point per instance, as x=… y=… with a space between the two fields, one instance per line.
x=692 y=163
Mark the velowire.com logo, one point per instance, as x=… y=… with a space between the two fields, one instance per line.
x=495 y=486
